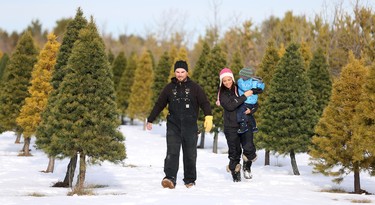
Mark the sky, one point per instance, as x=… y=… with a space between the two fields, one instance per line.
x=145 y=16
x=137 y=180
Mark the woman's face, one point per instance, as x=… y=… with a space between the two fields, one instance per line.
x=227 y=82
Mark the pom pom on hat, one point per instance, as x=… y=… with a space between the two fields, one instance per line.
x=181 y=64
x=226 y=72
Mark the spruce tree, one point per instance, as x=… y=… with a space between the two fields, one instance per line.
x=29 y=117
x=162 y=70
x=236 y=64
x=288 y=116
x=266 y=71
x=111 y=57
x=320 y=80
x=364 y=126
x=86 y=111
x=15 y=83
x=3 y=62
x=198 y=70
x=45 y=130
x=333 y=151
x=210 y=75
x=141 y=90
x=125 y=85
x=200 y=64
x=118 y=67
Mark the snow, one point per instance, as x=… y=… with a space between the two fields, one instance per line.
x=137 y=180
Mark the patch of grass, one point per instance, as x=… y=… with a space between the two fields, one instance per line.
x=96 y=186
x=334 y=190
x=35 y=194
x=81 y=192
x=361 y=201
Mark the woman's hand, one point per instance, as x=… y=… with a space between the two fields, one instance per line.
x=248 y=93
x=248 y=111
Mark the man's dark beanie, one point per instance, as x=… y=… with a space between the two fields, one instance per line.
x=181 y=64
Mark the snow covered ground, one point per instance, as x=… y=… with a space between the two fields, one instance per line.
x=137 y=181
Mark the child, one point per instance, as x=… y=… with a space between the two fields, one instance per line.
x=248 y=82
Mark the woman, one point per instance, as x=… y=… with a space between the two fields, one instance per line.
x=237 y=143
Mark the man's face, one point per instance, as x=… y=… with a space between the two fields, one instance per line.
x=181 y=74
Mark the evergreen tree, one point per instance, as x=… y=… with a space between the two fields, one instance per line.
x=126 y=83
x=320 y=80
x=3 y=62
x=111 y=57
x=199 y=65
x=162 y=70
x=141 y=90
x=266 y=71
x=364 y=126
x=288 y=116
x=118 y=67
x=333 y=151
x=45 y=130
x=15 y=83
x=215 y=62
x=86 y=111
x=306 y=53
x=40 y=88
x=236 y=64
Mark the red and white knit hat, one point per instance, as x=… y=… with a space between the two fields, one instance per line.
x=226 y=72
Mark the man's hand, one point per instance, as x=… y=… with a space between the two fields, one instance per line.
x=149 y=126
x=208 y=123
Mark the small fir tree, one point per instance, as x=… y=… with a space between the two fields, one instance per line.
x=29 y=117
x=141 y=90
x=86 y=111
x=15 y=83
x=266 y=71
x=215 y=62
x=118 y=68
x=320 y=80
x=3 y=62
x=126 y=83
x=288 y=116
x=45 y=129
x=333 y=151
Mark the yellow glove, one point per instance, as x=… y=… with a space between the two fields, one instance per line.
x=208 y=123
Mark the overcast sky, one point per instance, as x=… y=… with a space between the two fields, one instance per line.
x=142 y=16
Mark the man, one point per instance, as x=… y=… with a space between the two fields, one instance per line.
x=183 y=97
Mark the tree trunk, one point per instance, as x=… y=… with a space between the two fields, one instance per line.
x=82 y=173
x=267 y=158
x=26 y=147
x=294 y=163
x=145 y=124
x=214 y=148
x=18 y=138
x=357 y=182
x=131 y=121
x=70 y=172
x=51 y=165
x=201 y=144
x=123 y=121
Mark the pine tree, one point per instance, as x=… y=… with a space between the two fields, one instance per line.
x=306 y=53
x=45 y=130
x=333 y=152
x=364 y=126
x=15 y=83
x=266 y=71
x=288 y=116
x=141 y=90
x=86 y=110
x=111 y=57
x=162 y=70
x=200 y=64
x=236 y=64
x=126 y=83
x=118 y=68
x=29 y=117
x=3 y=62
x=196 y=77
x=320 y=80
x=215 y=62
